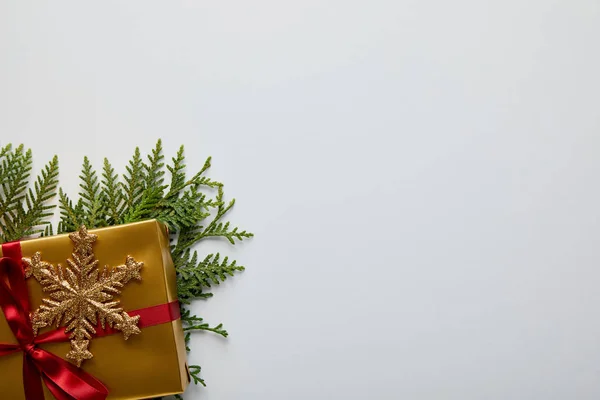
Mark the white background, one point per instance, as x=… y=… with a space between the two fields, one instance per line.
x=422 y=178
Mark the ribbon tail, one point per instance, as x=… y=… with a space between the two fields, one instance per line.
x=6 y=349
x=56 y=391
x=32 y=380
x=65 y=381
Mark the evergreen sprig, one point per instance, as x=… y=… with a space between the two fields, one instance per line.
x=189 y=207
x=210 y=270
x=24 y=210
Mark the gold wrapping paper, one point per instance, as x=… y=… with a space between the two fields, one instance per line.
x=147 y=365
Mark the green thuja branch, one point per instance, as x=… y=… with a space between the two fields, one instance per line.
x=134 y=182
x=112 y=193
x=216 y=228
x=193 y=209
x=154 y=169
x=91 y=196
x=70 y=217
x=195 y=323
x=24 y=210
x=194 y=274
x=195 y=374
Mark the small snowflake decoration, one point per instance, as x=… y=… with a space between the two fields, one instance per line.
x=81 y=295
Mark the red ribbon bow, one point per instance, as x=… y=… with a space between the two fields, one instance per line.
x=64 y=380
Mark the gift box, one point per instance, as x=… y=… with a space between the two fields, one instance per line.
x=75 y=318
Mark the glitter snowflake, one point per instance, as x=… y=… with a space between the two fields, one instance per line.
x=81 y=295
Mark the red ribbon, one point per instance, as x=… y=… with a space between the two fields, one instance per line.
x=64 y=380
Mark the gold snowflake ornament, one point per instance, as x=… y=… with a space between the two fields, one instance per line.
x=81 y=295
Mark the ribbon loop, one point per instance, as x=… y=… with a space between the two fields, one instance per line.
x=14 y=299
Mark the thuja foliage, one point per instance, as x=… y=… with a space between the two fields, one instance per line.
x=24 y=208
x=193 y=208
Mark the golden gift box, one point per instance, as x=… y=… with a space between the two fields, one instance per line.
x=152 y=361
